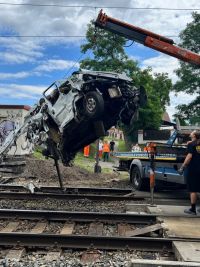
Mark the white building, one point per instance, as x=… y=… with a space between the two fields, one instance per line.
x=115 y=133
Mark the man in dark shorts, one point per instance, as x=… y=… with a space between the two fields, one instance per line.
x=112 y=147
x=191 y=166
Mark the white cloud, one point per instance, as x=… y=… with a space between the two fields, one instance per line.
x=61 y=21
x=55 y=64
x=27 y=20
x=135 y=58
x=175 y=100
x=21 y=91
x=163 y=22
x=16 y=51
x=30 y=20
x=162 y=63
x=47 y=66
x=14 y=58
x=17 y=75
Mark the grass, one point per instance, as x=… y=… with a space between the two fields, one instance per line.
x=38 y=155
x=89 y=163
x=85 y=163
x=81 y=161
x=122 y=146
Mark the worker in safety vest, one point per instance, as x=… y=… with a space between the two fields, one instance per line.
x=147 y=148
x=86 y=151
x=106 y=151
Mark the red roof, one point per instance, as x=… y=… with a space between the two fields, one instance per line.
x=15 y=107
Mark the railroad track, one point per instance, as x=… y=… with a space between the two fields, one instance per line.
x=82 y=230
x=101 y=194
x=105 y=194
x=69 y=190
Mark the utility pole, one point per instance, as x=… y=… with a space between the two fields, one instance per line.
x=97 y=167
x=151 y=150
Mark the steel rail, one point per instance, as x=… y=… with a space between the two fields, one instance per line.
x=77 y=216
x=74 y=190
x=85 y=241
x=77 y=190
x=93 y=193
x=88 y=242
x=180 y=194
x=64 y=196
x=31 y=196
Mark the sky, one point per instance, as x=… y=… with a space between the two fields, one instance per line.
x=42 y=51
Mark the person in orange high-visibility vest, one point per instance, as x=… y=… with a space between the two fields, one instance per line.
x=147 y=148
x=106 y=151
x=86 y=151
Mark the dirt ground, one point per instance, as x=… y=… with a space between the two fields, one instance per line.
x=43 y=172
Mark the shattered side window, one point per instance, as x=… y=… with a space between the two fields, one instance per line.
x=51 y=90
x=52 y=93
x=65 y=87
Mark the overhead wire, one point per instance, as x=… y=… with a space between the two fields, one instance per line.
x=56 y=36
x=93 y=7
x=42 y=36
x=83 y=6
x=74 y=65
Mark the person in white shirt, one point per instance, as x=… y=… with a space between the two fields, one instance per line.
x=136 y=148
x=100 y=149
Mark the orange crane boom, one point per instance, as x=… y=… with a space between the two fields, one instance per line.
x=147 y=38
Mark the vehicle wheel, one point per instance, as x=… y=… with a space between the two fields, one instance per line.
x=93 y=105
x=137 y=181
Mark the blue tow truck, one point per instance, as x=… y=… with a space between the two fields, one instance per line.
x=168 y=159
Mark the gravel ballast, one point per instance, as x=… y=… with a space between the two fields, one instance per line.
x=71 y=258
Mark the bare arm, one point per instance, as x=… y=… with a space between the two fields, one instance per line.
x=187 y=160
x=185 y=163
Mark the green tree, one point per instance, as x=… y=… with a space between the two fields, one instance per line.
x=189 y=74
x=108 y=54
x=189 y=113
x=157 y=89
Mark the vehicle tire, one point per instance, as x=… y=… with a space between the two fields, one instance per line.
x=93 y=105
x=137 y=181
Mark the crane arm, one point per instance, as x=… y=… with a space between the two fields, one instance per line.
x=147 y=38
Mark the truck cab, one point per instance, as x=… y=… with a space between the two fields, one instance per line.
x=168 y=160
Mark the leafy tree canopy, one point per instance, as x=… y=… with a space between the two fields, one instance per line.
x=189 y=74
x=108 y=52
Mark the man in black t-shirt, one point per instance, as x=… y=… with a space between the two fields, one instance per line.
x=191 y=166
x=112 y=147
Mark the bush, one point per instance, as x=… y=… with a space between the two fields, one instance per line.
x=122 y=146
